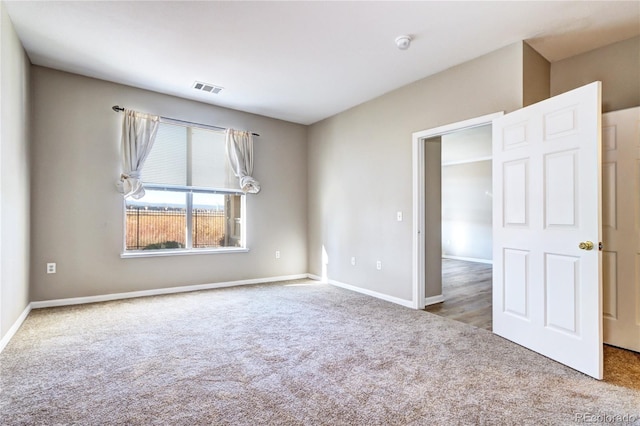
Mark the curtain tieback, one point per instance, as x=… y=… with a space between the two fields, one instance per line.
x=130 y=175
x=249 y=184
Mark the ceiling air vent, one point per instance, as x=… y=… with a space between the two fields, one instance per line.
x=207 y=87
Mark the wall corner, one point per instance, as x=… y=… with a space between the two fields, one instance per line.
x=536 y=76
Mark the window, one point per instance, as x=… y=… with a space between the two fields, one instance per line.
x=191 y=201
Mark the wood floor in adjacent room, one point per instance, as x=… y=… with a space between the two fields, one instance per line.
x=466 y=287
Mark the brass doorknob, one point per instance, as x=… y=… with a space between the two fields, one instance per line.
x=586 y=245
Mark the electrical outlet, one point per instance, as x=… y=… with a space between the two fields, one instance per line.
x=277 y=254
x=51 y=268
x=353 y=261
x=379 y=265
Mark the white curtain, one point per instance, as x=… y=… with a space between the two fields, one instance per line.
x=138 y=134
x=240 y=156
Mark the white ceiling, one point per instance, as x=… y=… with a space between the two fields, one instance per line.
x=299 y=61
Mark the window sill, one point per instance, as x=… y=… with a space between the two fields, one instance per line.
x=153 y=253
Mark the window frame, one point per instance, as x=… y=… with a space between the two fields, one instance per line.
x=189 y=191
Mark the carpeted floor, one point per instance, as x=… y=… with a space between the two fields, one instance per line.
x=283 y=354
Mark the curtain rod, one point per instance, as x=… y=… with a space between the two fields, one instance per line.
x=117 y=108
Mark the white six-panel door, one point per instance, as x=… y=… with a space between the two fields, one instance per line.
x=546 y=179
x=621 y=227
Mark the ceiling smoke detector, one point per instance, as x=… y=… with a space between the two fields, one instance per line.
x=207 y=87
x=403 y=42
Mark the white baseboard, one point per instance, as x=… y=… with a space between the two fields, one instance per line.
x=392 y=299
x=468 y=259
x=315 y=277
x=433 y=300
x=15 y=327
x=157 y=292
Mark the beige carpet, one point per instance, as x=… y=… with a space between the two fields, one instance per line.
x=283 y=354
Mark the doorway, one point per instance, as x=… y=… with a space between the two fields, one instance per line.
x=466 y=224
x=427 y=217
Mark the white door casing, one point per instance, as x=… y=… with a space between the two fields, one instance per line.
x=419 y=199
x=546 y=179
x=621 y=227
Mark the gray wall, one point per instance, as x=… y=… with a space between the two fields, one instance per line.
x=616 y=65
x=433 y=215
x=14 y=175
x=360 y=167
x=77 y=215
x=467 y=210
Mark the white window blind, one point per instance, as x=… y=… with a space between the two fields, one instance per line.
x=187 y=156
x=208 y=160
x=167 y=161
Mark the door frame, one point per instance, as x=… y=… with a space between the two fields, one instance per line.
x=418 y=299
